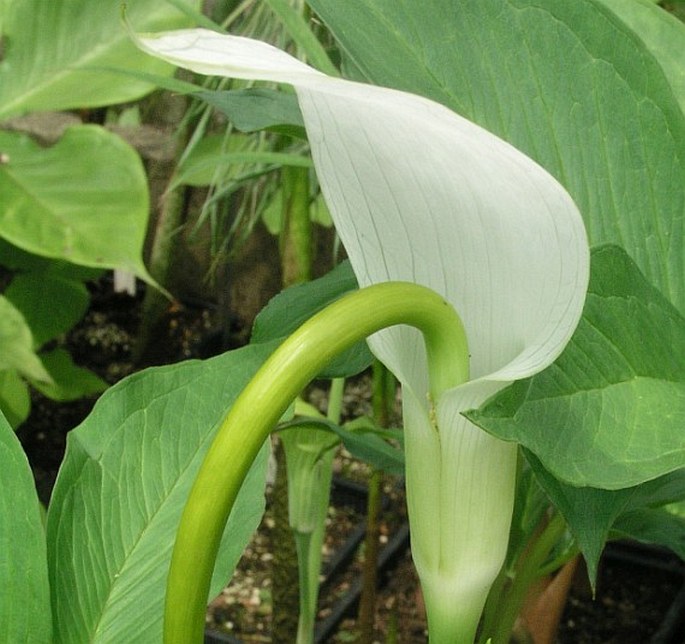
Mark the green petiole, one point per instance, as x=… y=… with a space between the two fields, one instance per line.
x=264 y=400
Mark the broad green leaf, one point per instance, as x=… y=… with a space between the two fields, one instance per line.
x=15 y=399
x=654 y=526
x=69 y=381
x=119 y=495
x=610 y=412
x=170 y=83
x=50 y=304
x=16 y=259
x=568 y=83
x=662 y=33
x=594 y=514
x=83 y=200
x=16 y=344
x=256 y=109
x=25 y=614
x=294 y=306
x=49 y=48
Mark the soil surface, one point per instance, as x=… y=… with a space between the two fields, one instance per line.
x=631 y=602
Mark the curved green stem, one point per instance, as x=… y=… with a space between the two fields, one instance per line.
x=264 y=400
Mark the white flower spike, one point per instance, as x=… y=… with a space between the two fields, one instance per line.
x=420 y=194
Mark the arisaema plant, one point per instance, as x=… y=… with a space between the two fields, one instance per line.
x=422 y=197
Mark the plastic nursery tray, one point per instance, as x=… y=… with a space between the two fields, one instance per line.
x=640 y=599
x=650 y=558
x=350 y=494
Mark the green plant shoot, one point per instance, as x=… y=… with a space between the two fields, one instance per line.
x=266 y=398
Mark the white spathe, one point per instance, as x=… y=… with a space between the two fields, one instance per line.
x=420 y=194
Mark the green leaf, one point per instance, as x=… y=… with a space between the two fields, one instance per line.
x=17 y=259
x=362 y=437
x=25 y=614
x=119 y=495
x=83 y=200
x=256 y=109
x=16 y=344
x=214 y=158
x=207 y=168
x=15 y=399
x=302 y=35
x=661 y=32
x=568 y=83
x=654 y=526
x=365 y=440
x=69 y=381
x=610 y=412
x=592 y=514
x=294 y=306
x=531 y=506
x=50 y=304
x=50 y=48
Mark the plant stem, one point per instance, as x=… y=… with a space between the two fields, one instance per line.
x=527 y=570
x=290 y=559
x=335 y=400
x=383 y=396
x=296 y=227
x=286 y=600
x=308 y=588
x=264 y=400
x=310 y=540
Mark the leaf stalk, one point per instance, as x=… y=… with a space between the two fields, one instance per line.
x=265 y=399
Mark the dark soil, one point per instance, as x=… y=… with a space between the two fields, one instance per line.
x=631 y=602
x=637 y=587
